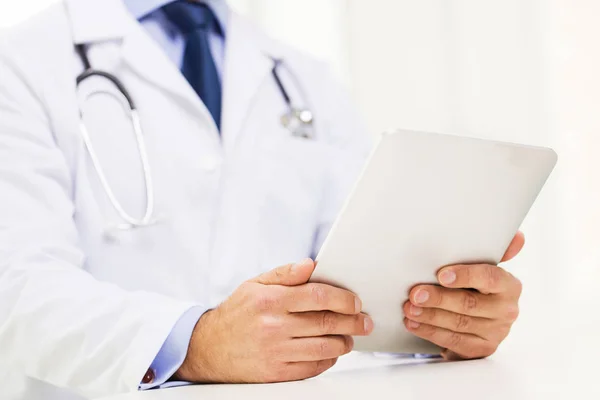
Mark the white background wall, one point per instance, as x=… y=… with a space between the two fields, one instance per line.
x=518 y=70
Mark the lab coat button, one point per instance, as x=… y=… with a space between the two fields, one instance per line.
x=149 y=377
x=210 y=164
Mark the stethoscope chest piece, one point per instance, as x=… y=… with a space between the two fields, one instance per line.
x=299 y=122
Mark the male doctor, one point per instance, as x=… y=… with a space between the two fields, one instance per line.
x=95 y=306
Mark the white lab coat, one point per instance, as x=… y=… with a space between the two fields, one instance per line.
x=82 y=312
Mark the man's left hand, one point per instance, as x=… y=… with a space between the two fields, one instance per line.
x=472 y=311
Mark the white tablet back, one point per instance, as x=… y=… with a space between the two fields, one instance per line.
x=422 y=202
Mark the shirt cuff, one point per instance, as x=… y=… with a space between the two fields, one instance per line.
x=174 y=350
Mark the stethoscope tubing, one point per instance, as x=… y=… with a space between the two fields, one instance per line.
x=148 y=218
x=131 y=222
x=284 y=93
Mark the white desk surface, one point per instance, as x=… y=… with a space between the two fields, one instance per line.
x=539 y=373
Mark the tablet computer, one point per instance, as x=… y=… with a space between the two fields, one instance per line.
x=424 y=201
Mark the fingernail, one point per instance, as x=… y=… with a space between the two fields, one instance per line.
x=357 y=305
x=368 y=324
x=447 y=277
x=300 y=264
x=421 y=296
x=413 y=324
x=416 y=311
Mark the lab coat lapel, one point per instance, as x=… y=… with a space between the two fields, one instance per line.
x=95 y=21
x=147 y=59
x=248 y=64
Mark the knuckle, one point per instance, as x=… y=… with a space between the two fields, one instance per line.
x=263 y=302
x=467 y=273
x=267 y=300
x=493 y=276
x=502 y=332
x=470 y=301
x=323 y=365
x=436 y=297
x=323 y=349
x=487 y=349
x=427 y=331
x=314 y=369
x=270 y=326
x=319 y=367
x=328 y=322
x=462 y=323
x=482 y=350
x=329 y=364
x=358 y=323
x=430 y=315
x=281 y=272
x=471 y=354
x=348 y=345
x=318 y=294
x=512 y=313
x=518 y=287
x=455 y=340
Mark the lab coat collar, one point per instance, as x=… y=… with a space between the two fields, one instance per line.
x=142 y=8
x=112 y=29
x=101 y=20
x=249 y=57
x=98 y=20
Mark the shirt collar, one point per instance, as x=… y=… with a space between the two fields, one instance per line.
x=142 y=8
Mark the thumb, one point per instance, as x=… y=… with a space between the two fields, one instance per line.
x=515 y=247
x=288 y=275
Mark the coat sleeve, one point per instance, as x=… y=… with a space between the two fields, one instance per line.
x=57 y=323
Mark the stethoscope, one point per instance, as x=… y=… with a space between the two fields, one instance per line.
x=297 y=120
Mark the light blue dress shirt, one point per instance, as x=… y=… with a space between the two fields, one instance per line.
x=148 y=12
x=167 y=35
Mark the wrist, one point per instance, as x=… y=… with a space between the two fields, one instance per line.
x=195 y=367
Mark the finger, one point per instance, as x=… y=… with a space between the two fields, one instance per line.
x=322 y=323
x=297 y=371
x=515 y=247
x=451 y=356
x=466 y=345
x=288 y=275
x=482 y=277
x=462 y=301
x=322 y=297
x=483 y=327
x=319 y=348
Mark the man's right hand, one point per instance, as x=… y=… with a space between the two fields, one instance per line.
x=275 y=328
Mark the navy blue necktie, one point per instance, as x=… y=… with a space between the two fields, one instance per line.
x=196 y=22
